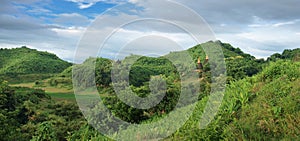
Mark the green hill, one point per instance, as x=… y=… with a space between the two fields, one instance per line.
x=30 y=61
x=228 y=50
x=238 y=64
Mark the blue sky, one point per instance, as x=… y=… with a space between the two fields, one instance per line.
x=63 y=7
x=258 y=27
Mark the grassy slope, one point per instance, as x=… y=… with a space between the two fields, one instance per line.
x=262 y=107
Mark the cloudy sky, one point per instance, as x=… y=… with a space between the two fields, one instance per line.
x=258 y=27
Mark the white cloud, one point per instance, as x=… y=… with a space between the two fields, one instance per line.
x=286 y=23
x=283 y=23
x=263 y=41
x=267 y=24
x=70 y=32
x=83 y=4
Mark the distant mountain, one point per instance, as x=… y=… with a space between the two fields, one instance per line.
x=30 y=61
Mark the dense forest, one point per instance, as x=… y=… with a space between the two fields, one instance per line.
x=261 y=101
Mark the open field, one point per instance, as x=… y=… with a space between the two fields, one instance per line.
x=63 y=96
x=56 y=93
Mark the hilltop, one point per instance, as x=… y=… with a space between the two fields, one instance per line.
x=238 y=64
x=30 y=61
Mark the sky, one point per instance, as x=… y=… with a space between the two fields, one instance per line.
x=258 y=27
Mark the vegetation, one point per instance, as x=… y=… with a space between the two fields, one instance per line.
x=261 y=101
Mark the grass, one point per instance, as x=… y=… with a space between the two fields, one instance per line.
x=63 y=96
x=57 y=93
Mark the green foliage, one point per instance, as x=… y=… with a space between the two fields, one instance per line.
x=60 y=81
x=66 y=73
x=278 y=69
x=239 y=68
x=130 y=114
x=145 y=67
x=45 y=132
x=103 y=72
x=86 y=132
